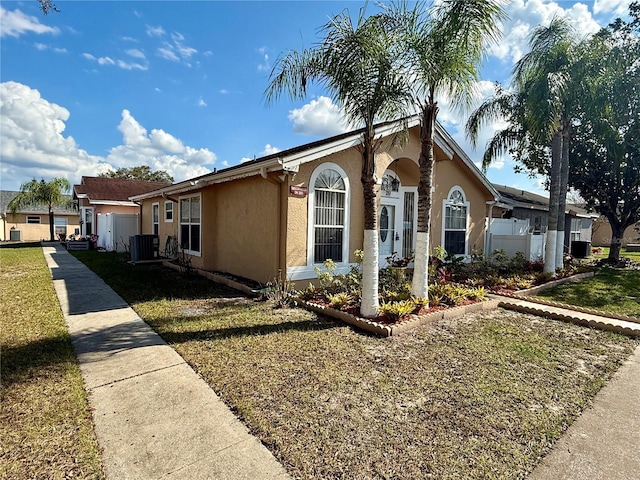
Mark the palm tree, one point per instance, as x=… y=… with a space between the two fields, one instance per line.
x=548 y=73
x=358 y=66
x=49 y=193
x=537 y=110
x=445 y=45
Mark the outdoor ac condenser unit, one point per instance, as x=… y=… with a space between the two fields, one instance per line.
x=144 y=247
x=15 y=235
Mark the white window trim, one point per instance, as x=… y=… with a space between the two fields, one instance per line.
x=190 y=252
x=169 y=220
x=34 y=217
x=153 y=220
x=466 y=203
x=308 y=271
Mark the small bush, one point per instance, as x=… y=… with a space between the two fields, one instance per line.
x=339 y=300
x=397 y=310
x=280 y=291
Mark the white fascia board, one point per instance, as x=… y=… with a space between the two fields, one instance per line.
x=453 y=145
x=120 y=203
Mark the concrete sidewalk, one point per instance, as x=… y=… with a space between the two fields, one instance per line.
x=604 y=442
x=154 y=416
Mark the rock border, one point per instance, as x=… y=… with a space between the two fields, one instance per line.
x=403 y=326
x=526 y=295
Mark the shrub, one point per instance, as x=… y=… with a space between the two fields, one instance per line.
x=280 y=291
x=396 y=310
x=339 y=300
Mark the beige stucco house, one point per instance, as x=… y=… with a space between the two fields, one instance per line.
x=602 y=233
x=102 y=195
x=31 y=223
x=292 y=210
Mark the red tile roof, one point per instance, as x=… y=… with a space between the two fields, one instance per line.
x=114 y=189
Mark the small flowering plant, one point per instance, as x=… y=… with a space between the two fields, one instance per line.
x=395 y=260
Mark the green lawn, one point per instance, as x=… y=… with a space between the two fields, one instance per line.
x=484 y=396
x=604 y=253
x=611 y=290
x=45 y=423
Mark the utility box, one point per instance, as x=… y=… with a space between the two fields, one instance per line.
x=144 y=247
x=580 y=249
x=15 y=235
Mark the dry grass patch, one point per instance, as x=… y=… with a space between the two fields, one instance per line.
x=45 y=423
x=483 y=397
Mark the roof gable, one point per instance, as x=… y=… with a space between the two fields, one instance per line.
x=105 y=189
x=290 y=160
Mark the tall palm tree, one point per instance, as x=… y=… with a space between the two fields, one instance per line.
x=548 y=71
x=445 y=44
x=358 y=66
x=40 y=192
x=538 y=109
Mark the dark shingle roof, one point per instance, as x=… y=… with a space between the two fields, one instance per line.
x=7 y=195
x=114 y=189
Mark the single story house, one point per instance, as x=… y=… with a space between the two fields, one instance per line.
x=31 y=224
x=523 y=205
x=289 y=211
x=103 y=195
x=601 y=236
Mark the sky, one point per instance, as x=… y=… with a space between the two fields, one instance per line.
x=179 y=86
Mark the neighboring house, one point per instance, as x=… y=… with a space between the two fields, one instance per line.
x=523 y=205
x=292 y=210
x=31 y=223
x=102 y=195
x=601 y=236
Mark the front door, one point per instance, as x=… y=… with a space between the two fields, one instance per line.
x=87 y=222
x=397 y=226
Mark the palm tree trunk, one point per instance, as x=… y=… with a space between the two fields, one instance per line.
x=554 y=194
x=51 y=230
x=369 y=302
x=562 y=200
x=420 y=283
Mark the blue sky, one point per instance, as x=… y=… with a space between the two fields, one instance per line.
x=179 y=86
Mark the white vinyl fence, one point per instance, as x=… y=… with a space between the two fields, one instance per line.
x=513 y=236
x=114 y=230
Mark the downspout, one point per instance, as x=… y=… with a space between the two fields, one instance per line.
x=139 y=216
x=281 y=182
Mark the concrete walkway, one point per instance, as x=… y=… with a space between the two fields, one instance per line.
x=154 y=416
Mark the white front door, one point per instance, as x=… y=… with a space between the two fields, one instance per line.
x=86 y=220
x=397 y=226
x=388 y=232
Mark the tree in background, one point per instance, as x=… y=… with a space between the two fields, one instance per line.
x=445 y=45
x=40 y=192
x=605 y=153
x=47 y=6
x=142 y=172
x=358 y=66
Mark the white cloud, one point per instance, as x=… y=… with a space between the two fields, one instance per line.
x=160 y=150
x=33 y=144
x=131 y=65
x=14 y=23
x=525 y=15
x=223 y=91
x=99 y=60
x=135 y=53
x=155 y=31
x=617 y=7
x=176 y=50
x=265 y=66
x=201 y=102
x=319 y=117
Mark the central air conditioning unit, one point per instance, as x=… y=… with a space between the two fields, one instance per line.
x=144 y=247
x=15 y=235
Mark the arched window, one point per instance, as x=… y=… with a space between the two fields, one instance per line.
x=456 y=210
x=329 y=214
